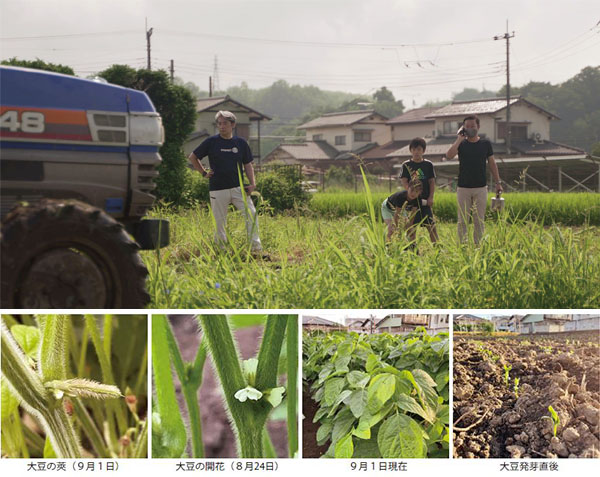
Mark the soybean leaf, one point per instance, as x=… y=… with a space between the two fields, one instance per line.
x=372 y=363
x=358 y=402
x=10 y=403
x=358 y=379
x=343 y=395
x=380 y=390
x=409 y=404
x=366 y=448
x=401 y=437
x=427 y=385
x=323 y=432
x=342 y=424
x=344 y=447
x=363 y=431
x=333 y=388
x=28 y=338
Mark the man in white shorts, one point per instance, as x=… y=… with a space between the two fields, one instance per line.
x=228 y=154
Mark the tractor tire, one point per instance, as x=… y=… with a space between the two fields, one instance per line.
x=68 y=254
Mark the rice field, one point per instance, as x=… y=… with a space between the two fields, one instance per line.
x=547 y=208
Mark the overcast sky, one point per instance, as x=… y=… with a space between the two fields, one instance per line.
x=420 y=49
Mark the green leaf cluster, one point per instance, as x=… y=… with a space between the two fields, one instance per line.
x=379 y=395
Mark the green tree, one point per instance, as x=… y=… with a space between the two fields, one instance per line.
x=470 y=94
x=595 y=149
x=177 y=108
x=39 y=65
x=384 y=94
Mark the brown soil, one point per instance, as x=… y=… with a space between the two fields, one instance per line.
x=490 y=420
x=310 y=449
x=219 y=440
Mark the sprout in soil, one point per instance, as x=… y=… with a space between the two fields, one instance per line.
x=555 y=419
x=516 y=387
x=507 y=368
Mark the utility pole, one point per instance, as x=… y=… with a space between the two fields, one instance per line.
x=172 y=70
x=216 y=84
x=148 y=35
x=210 y=86
x=507 y=37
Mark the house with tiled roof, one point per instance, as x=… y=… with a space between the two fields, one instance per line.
x=248 y=122
x=340 y=139
x=348 y=130
x=413 y=123
x=534 y=161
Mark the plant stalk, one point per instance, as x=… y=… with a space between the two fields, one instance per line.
x=292 y=383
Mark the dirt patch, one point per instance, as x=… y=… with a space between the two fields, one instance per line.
x=310 y=448
x=506 y=415
x=219 y=440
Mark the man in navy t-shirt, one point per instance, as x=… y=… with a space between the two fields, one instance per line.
x=228 y=154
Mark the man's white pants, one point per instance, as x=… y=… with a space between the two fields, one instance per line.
x=219 y=202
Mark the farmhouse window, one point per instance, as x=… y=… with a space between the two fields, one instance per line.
x=340 y=140
x=317 y=137
x=517 y=131
x=362 y=136
x=451 y=127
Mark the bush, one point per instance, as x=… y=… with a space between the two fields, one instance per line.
x=282 y=189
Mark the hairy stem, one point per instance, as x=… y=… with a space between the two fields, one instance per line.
x=270 y=349
x=36 y=398
x=189 y=385
x=292 y=383
x=173 y=437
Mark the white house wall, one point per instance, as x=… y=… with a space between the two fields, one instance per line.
x=539 y=123
x=380 y=133
x=406 y=132
x=206 y=120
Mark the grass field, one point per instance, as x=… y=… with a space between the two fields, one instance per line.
x=319 y=262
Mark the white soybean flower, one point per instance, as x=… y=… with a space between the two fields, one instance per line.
x=248 y=393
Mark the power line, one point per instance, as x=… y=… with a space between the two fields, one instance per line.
x=322 y=44
x=68 y=35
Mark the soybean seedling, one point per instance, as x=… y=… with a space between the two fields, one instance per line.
x=555 y=419
x=507 y=368
x=516 y=387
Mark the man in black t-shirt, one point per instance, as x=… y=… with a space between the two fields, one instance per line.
x=229 y=157
x=420 y=170
x=474 y=153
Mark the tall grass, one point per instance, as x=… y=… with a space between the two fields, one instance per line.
x=343 y=263
x=546 y=208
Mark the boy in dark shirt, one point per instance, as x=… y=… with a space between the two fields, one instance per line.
x=399 y=203
x=418 y=169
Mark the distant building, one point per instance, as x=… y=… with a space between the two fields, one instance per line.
x=338 y=139
x=536 y=323
x=247 y=119
x=468 y=322
x=405 y=323
x=501 y=323
x=534 y=161
x=317 y=323
x=583 y=322
x=348 y=130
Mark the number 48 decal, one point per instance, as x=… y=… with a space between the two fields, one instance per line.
x=31 y=121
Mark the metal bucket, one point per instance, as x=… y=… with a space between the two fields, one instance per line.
x=498 y=202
